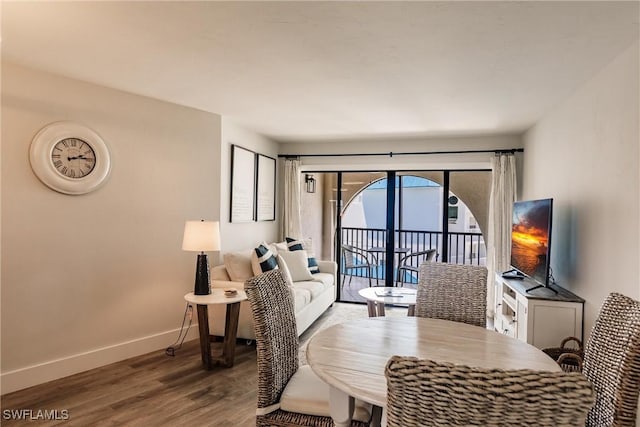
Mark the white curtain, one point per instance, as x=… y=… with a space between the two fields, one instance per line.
x=503 y=194
x=291 y=223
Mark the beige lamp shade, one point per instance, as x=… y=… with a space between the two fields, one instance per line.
x=201 y=236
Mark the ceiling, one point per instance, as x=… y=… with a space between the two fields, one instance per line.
x=315 y=71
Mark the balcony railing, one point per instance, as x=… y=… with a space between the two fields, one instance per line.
x=463 y=248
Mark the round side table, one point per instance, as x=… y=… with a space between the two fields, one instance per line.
x=377 y=297
x=217 y=296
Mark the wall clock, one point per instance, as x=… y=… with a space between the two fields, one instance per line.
x=70 y=158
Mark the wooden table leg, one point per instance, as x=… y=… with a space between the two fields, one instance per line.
x=412 y=310
x=203 y=329
x=230 y=334
x=371 y=306
x=380 y=309
x=376 y=416
x=341 y=407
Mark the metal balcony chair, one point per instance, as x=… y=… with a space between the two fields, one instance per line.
x=452 y=292
x=288 y=394
x=428 y=394
x=611 y=362
x=411 y=261
x=355 y=258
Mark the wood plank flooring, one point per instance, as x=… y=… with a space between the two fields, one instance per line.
x=157 y=390
x=151 y=390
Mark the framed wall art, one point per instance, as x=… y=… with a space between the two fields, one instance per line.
x=266 y=188
x=243 y=184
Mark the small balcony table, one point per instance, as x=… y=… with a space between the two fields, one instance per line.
x=398 y=252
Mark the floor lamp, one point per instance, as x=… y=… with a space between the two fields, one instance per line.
x=201 y=236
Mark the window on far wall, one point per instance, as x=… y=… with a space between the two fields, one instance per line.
x=453 y=214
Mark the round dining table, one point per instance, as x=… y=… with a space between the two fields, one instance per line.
x=351 y=357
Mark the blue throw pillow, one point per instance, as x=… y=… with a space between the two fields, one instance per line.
x=297 y=245
x=266 y=259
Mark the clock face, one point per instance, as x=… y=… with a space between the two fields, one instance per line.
x=73 y=158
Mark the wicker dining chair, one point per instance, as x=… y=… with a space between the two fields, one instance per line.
x=428 y=394
x=452 y=292
x=288 y=395
x=611 y=362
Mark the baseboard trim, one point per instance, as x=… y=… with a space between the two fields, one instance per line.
x=59 y=368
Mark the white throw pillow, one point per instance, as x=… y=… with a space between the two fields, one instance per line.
x=297 y=264
x=238 y=265
x=284 y=269
x=298 y=245
x=280 y=246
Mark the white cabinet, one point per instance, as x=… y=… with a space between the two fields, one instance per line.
x=540 y=317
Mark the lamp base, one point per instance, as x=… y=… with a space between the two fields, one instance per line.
x=202 y=286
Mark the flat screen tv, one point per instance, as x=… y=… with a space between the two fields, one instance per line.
x=531 y=239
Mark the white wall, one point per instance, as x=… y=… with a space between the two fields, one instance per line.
x=92 y=279
x=584 y=153
x=239 y=236
x=422 y=208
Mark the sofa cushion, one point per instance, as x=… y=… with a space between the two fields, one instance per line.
x=219 y=272
x=263 y=260
x=326 y=278
x=297 y=264
x=301 y=298
x=299 y=245
x=238 y=265
x=313 y=286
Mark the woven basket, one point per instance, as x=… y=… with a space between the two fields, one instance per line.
x=568 y=364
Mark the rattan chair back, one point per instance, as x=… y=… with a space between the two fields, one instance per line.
x=612 y=363
x=350 y=259
x=452 y=292
x=427 y=393
x=276 y=334
x=277 y=350
x=411 y=262
x=351 y=262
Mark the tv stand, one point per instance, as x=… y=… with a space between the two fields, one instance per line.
x=534 y=314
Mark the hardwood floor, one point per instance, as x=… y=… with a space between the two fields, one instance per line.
x=157 y=390
x=151 y=390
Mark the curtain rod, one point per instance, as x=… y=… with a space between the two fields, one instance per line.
x=391 y=153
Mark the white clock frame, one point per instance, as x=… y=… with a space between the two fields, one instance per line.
x=42 y=165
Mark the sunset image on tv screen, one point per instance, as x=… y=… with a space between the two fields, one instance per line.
x=530 y=237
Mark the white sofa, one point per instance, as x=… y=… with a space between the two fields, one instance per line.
x=311 y=299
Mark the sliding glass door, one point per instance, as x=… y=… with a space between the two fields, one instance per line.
x=380 y=225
